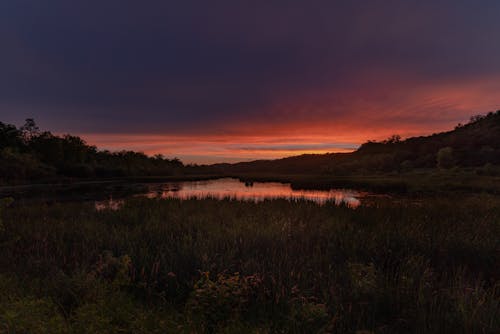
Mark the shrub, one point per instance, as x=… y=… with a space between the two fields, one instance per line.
x=445 y=159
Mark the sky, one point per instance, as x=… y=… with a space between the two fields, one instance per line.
x=224 y=81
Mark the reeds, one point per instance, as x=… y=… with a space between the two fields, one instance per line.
x=275 y=266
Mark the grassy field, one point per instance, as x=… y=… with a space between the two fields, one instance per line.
x=208 y=266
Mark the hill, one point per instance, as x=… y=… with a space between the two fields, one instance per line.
x=474 y=144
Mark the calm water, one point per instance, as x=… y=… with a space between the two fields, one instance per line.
x=235 y=189
x=258 y=191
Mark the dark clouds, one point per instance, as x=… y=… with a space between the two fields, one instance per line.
x=207 y=66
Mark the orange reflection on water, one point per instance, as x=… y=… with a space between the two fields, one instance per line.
x=108 y=204
x=258 y=191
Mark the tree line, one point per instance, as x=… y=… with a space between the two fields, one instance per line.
x=27 y=154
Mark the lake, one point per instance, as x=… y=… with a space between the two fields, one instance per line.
x=249 y=191
x=255 y=191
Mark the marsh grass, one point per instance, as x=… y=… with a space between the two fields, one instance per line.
x=428 y=181
x=225 y=266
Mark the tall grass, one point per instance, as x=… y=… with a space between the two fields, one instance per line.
x=227 y=266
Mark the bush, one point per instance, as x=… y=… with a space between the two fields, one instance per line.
x=215 y=303
x=445 y=159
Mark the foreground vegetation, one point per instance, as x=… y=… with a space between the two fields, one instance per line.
x=208 y=266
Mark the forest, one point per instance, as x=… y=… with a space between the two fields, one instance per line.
x=28 y=154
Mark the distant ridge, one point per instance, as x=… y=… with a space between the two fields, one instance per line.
x=476 y=143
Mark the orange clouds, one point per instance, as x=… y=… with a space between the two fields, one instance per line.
x=377 y=107
x=224 y=148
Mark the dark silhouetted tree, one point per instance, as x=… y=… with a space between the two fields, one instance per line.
x=29 y=130
x=392 y=139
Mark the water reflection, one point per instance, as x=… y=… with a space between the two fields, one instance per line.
x=250 y=191
x=108 y=204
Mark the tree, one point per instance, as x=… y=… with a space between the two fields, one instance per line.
x=476 y=118
x=10 y=136
x=445 y=159
x=29 y=130
x=394 y=139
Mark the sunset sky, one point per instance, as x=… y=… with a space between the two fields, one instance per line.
x=216 y=81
